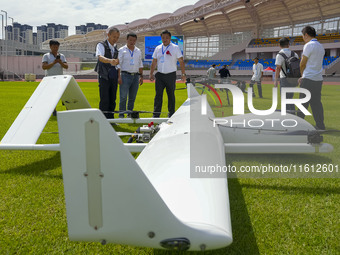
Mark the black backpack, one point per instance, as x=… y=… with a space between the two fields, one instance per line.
x=292 y=66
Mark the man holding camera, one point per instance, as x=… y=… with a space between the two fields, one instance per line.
x=54 y=62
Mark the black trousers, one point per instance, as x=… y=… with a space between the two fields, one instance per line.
x=259 y=87
x=314 y=88
x=289 y=83
x=108 y=93
x=167 y=81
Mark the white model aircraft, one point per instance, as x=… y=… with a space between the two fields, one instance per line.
x=156 y=200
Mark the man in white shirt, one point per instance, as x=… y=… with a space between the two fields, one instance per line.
x=311 y=71
x=107 y=54
x=130 y=73
x=281 y=71
x=212 y=72
x=165 y=57
x=54 y=62
x=257 y=75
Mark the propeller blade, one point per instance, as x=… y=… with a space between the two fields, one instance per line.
x=330 y=132
x=311 y=132
x=126 y=134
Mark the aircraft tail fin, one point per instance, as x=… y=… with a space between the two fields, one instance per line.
x=109 y=198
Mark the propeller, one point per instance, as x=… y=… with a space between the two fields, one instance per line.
x=311 y=132
x=118 y=133
x=313 y=136
x=203 y=79
x=127 y=134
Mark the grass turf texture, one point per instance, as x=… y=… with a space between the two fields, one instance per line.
x=269 y=216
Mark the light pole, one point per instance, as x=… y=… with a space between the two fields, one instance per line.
x=24 y=47
x=2 y=43
x=12 y=37
x=2 y=26
x=6 y=44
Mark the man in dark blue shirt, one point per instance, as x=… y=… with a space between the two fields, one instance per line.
x=224 y=72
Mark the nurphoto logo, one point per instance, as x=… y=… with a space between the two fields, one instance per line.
x=238 y=107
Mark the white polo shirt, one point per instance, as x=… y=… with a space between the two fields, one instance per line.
x=280 y=61
x=257 y=70
x=167 y=57
x=130 y=61
x=57 y=69
x=211 y=73
x=315 y=52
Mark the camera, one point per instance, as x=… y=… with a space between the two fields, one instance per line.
x=58 y=56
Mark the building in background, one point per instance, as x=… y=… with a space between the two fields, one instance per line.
x=89 y=27
x=41 y=34
x=20 y=33
x=50 y=31
x=24 y=33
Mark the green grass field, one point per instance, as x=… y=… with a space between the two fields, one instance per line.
x=269 y=215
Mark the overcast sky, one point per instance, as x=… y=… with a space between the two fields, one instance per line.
x=79 y=12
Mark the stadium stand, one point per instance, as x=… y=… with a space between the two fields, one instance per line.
x=295 y=40
x=329 y=60
x=247 y=64
x=207 y=63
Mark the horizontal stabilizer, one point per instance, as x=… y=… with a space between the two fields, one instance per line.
x=32 y=119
